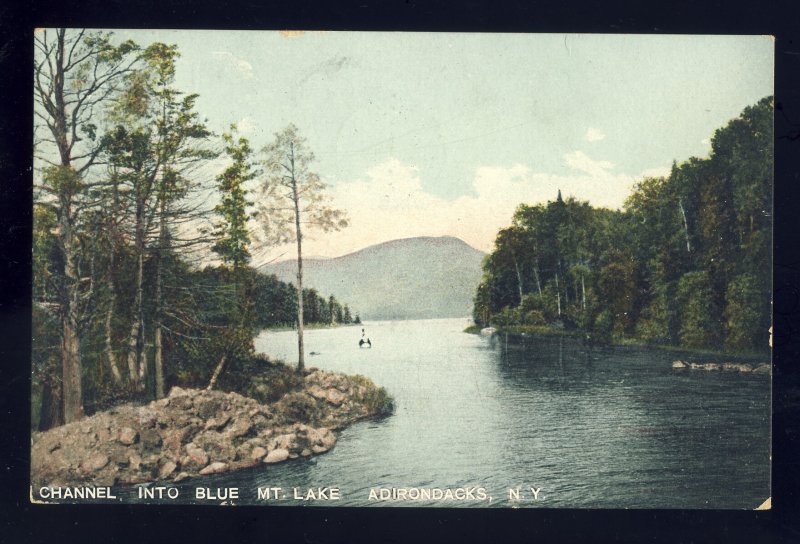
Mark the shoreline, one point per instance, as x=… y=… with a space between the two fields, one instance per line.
x=198 y=432
x=521 y=331
x=307 y=326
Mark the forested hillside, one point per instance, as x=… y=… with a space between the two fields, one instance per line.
x=134 y=198
x=686 y=262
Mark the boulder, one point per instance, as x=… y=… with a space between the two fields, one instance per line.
x=679 y=364
x=258 y=452
x=277 y=456
x=214 y=468
x=197 y=455
x=335 y=397
x=198 y=432
x=166 y=469
x=94 y=462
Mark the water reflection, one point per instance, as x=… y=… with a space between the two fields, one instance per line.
x=591 y=427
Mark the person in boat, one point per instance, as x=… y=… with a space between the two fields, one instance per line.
x=364 y=340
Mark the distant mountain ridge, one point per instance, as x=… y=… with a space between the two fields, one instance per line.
x=409 y=278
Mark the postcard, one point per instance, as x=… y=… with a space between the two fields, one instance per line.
x=398 y=269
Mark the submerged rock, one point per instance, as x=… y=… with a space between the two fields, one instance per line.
x=736 y=367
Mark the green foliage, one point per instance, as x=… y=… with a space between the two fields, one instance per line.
x=233 y=236
x=743 y=313
x=687 y=248
x=116 y=234
x=260 y=378
x=697 y=314
x=377 y=400
x=603 y=327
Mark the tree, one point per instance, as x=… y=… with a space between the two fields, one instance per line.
x=157 y=142
x=75 y=73
x=233 y=235
x=292 y=199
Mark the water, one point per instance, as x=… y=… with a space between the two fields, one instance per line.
x=610 y=428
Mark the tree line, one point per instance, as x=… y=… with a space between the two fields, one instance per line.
x=685 y=262
x=125 y=303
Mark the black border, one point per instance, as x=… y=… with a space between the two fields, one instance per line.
x=23 y=522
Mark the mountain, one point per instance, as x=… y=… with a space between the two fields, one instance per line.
x=412 y=278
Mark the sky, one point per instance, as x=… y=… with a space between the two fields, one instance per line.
x=428 y=134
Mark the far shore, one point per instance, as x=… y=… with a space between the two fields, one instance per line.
x=311 y=326
x=521 y=331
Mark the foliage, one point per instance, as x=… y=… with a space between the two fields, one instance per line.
x=233 y=236
x=686 y=262
x=122 y=308
x=376 y=399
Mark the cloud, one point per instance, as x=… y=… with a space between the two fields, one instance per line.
x=594 y=135
x=578 y=160
x=389 y=202
x=240 y=65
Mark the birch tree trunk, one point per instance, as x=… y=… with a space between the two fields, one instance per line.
x=519 y=279
x=111 y=357
x=299 y=236
x=685 y=226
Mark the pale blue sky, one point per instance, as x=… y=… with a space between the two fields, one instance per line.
x=456 y=121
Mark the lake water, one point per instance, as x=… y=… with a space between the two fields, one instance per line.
x=601 y=428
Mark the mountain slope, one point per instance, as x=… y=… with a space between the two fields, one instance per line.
x=412 y=278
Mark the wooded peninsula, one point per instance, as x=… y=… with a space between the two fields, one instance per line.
x=686 y=262
x=145 y=225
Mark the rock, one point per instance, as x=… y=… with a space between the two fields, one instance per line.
x=166 y=469
x=335 y=397
x=174 y=439
x=127 y=436
x=207 y=407
x=214 y=468
x=762 y=369
x=177 y=392
x=196 y=454
x=240 y=427
x=284 y=441
x=217 y=423
x=193 y=432
x=150 y=439
x=317 y=392
x=217 y=445
x=679 y=364
x=736 y=366
x=244 y=463
x=94 y=462
x=711 y=366
x=326 y=438
x=258 y=452
x=277 y=456
x=134 y=460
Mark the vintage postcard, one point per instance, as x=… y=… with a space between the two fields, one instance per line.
x=402 y=269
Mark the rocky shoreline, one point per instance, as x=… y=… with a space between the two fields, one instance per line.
x=194 y=432
x=735 y=367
